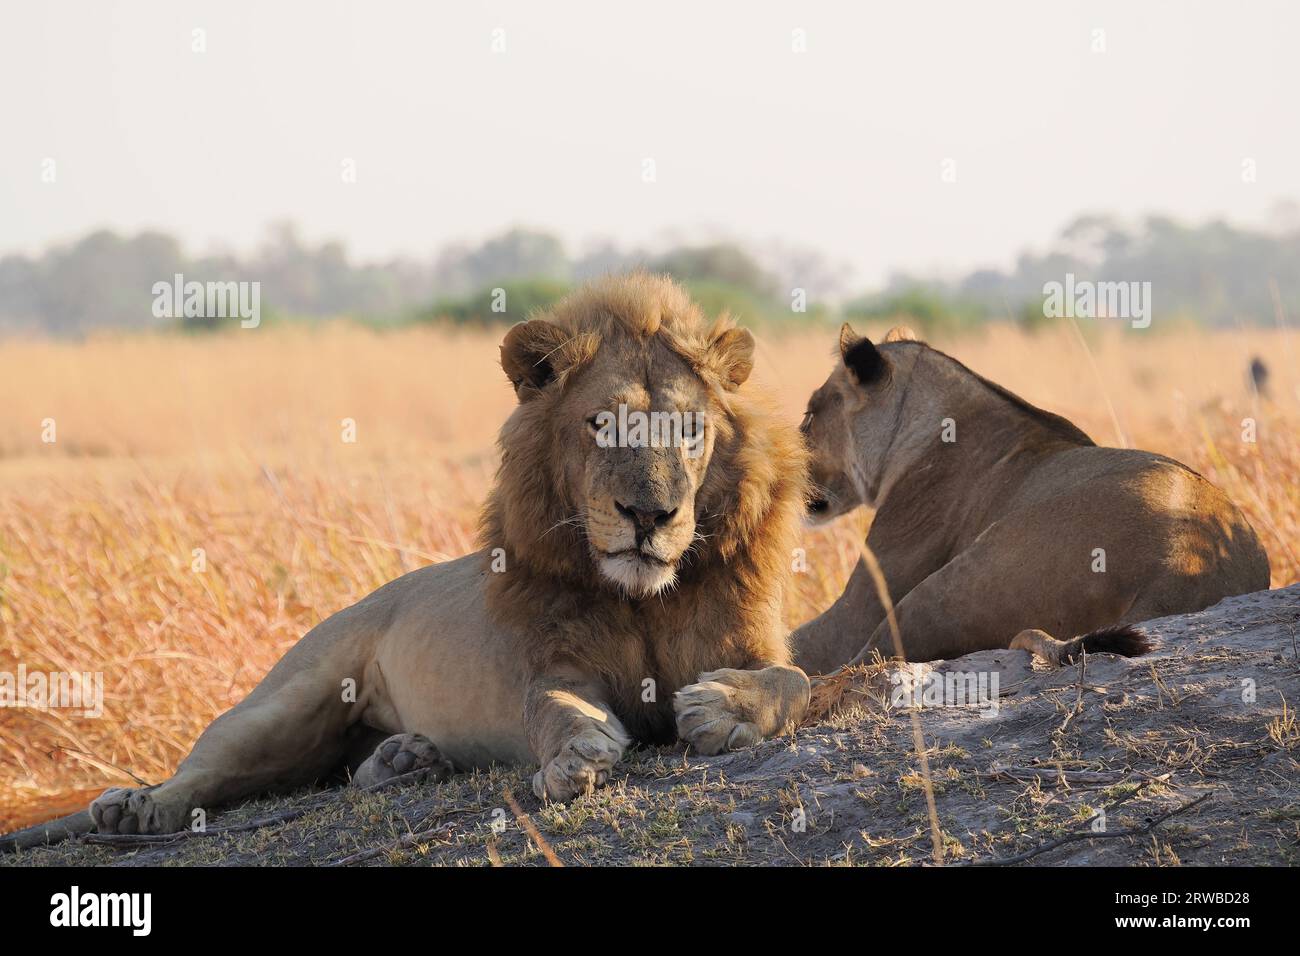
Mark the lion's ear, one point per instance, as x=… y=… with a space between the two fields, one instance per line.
x=848 y=339
x=530 y=355
x=863 y=360
x=899 y=333
x=732 y=357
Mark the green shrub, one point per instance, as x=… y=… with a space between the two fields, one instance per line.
x=507 y=302
x=930 y=310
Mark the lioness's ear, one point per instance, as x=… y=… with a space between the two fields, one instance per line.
x=899 y=333
x=529 y=355
x=863 y=360
x=732 y=357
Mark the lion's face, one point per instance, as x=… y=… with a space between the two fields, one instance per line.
x=826 y=428
x=625 y=429
x=642 y=441
x=850 y=425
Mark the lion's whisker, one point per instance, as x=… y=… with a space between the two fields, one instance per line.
x=573 y=521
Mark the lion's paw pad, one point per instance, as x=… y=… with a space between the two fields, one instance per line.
x=708 y=721
x=402 y=754
x=127 y=811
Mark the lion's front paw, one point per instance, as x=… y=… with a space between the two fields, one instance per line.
x=399 y=754
x=127 y=811
x=710 y=717
x=582 y=765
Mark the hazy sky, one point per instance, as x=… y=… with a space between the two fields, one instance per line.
x=841 y=147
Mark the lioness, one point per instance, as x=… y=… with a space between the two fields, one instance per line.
x=999 y=524
x=626 y=590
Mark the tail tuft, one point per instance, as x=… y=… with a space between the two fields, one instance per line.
x=1123 y=639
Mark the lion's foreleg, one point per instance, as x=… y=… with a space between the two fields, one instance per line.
x=575 y=735
x=730 y=709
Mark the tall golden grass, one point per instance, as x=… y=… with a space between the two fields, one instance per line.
x=226 y=453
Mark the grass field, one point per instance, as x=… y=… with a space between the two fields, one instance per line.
x=198 y=508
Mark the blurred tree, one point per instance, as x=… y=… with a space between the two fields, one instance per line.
x=720 y=262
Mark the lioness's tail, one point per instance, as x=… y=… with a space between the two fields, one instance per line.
x=50 y=832
x=1123 y=639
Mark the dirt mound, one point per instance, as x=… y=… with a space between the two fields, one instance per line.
x=1186 y=755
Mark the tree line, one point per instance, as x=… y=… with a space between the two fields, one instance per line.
x=1211 y=273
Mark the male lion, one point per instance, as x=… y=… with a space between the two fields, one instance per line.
x=625 y=591
x=996 y=521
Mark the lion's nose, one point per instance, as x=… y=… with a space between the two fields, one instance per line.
x=645 y=519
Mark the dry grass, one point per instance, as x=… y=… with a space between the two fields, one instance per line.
x=233 y=445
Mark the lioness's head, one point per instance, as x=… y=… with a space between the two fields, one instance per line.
x=625 y=436
x=851 y=422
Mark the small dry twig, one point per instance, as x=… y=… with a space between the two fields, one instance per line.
x=402 y=842
x=526 y=822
